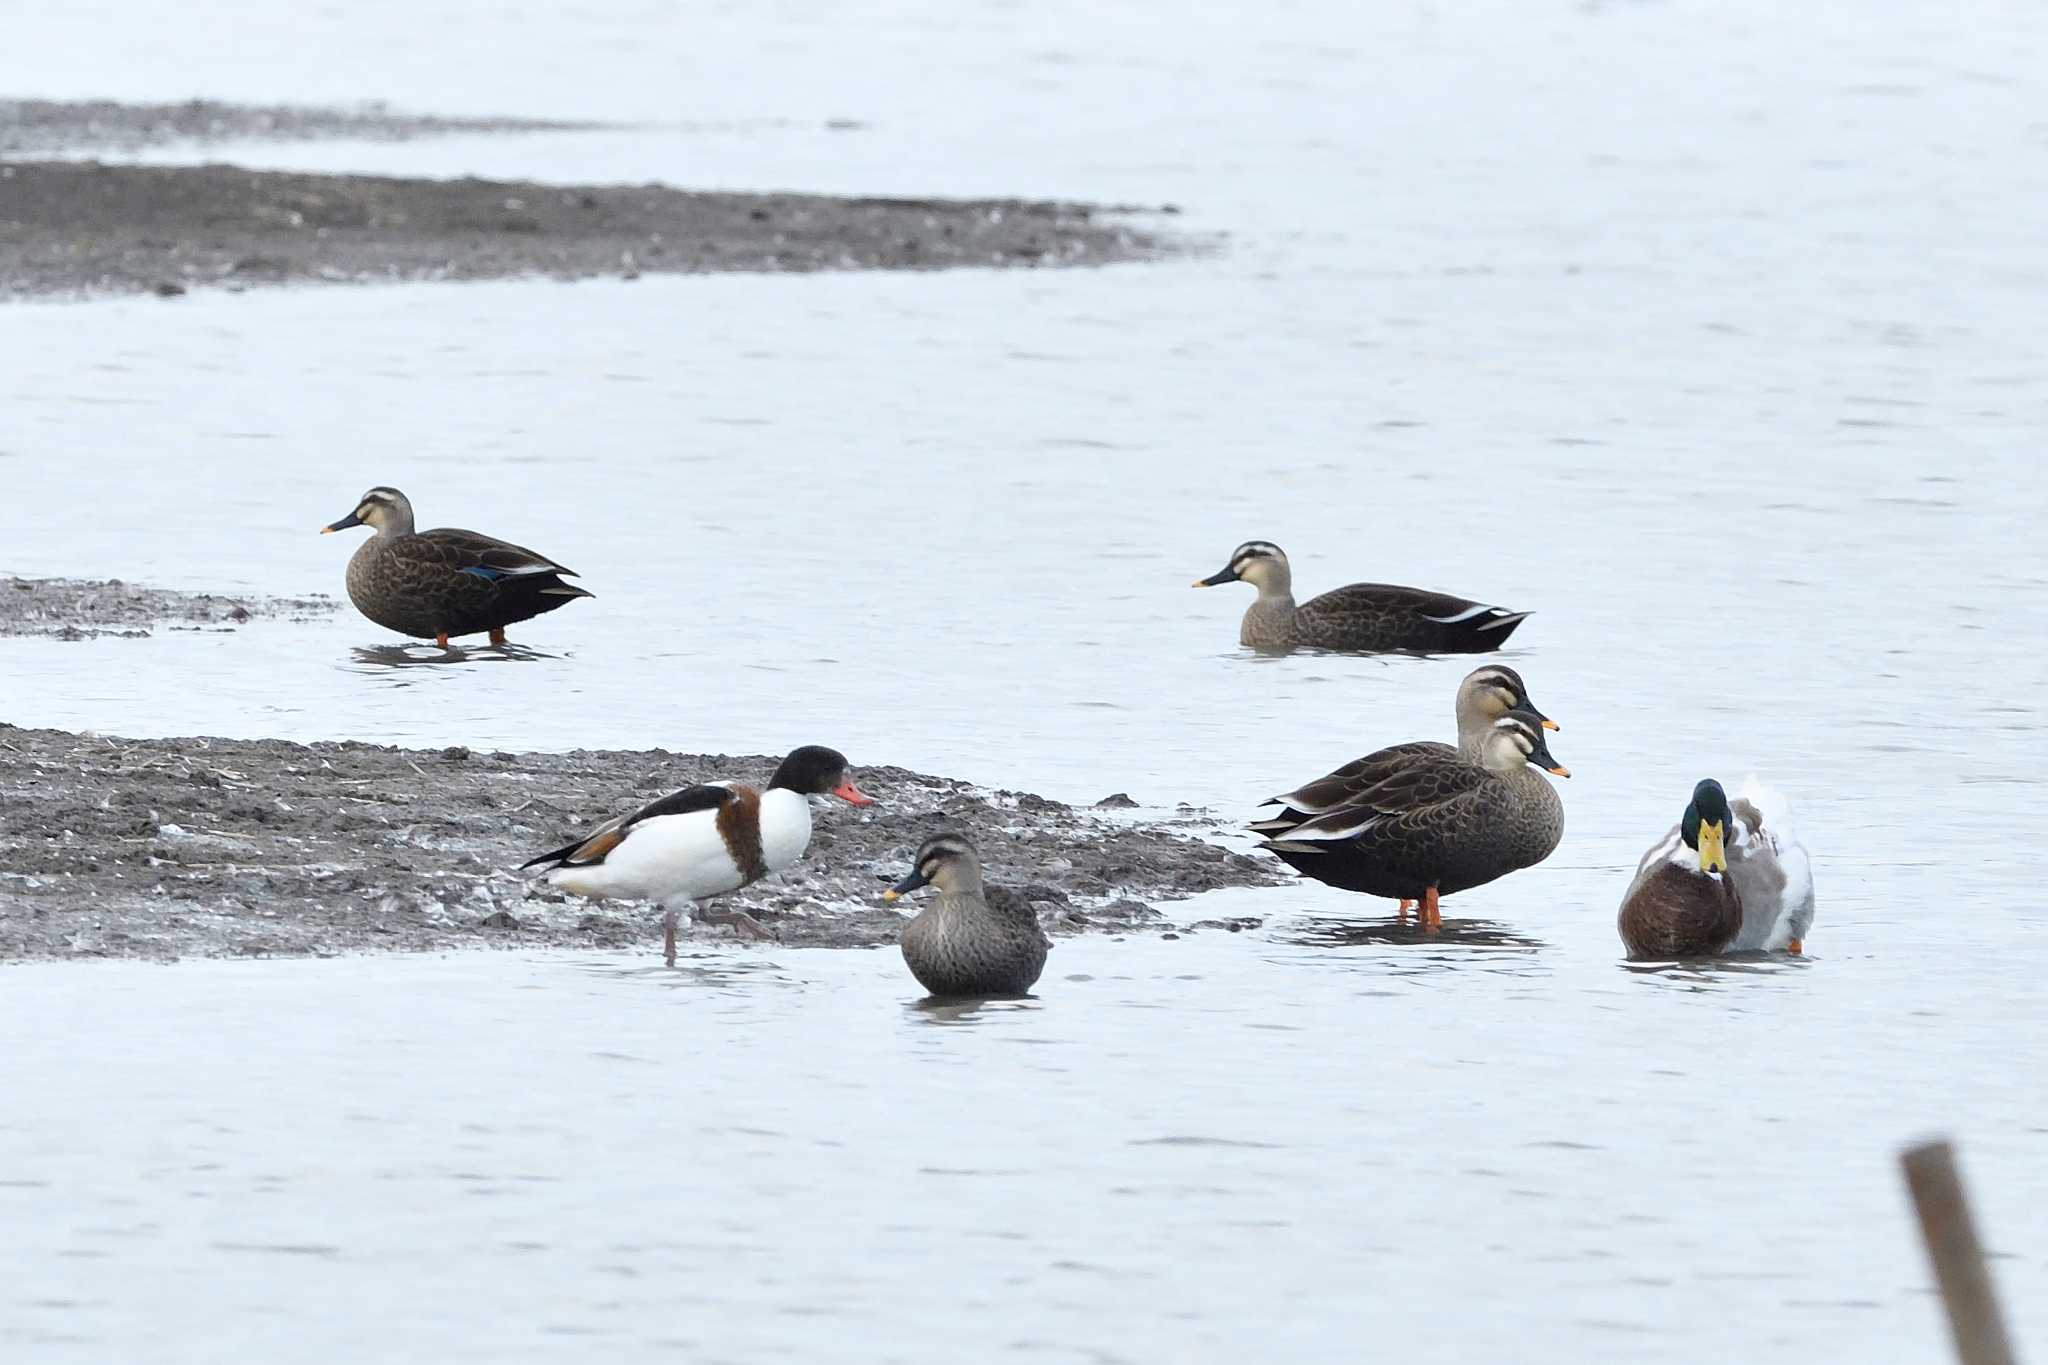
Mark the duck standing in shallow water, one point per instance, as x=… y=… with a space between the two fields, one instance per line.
x=959 y=944
x=705 y=841
x=1363 y=618
x=1429 y=821
x=1728 y=877
x=436 y=585
x=1484 y=696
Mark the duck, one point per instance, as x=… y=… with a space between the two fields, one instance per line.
x=1484 y=696
x=1431 y=821
x=440 y=584
x=1366 y=618
x=1682 y=902
x=704 y=841
x=1772 y=872
x=961 y=944
x=1759 y=857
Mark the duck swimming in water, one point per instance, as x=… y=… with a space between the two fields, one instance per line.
x=1365 y=618
x=961 y=944
x=1728 y=877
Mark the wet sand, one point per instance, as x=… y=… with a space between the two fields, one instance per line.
x=86 y=609
x=216 y=847
x=32 y=126
x=80 y=228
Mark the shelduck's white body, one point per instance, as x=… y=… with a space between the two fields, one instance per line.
x=704 y=841
x=689 y=858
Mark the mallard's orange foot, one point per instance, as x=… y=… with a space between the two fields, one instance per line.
x=498 y=636
x=1795 y=947
x=442 y=639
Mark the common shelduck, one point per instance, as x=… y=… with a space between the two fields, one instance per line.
x=704 y=841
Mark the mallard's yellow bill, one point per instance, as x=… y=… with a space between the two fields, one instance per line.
x=1712 y=856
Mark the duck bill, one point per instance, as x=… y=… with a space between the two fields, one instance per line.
x=1713 y=857
x=1226 y=574
x=350 y=520
x=1542 y=758
x=1548 y=723
x=905 y=887
x=852 y=795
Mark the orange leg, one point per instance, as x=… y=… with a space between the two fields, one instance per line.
x=1432 y=918
x=498 y=636
x=1401 y=913
x=1795 y=947
x=442 y=639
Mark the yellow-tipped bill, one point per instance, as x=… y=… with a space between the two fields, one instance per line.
x=892 y=894
x=1712 y=857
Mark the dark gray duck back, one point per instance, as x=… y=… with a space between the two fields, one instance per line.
x=453 y=582
x=1385 y=617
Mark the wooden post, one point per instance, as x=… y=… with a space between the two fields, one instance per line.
x=1951 y=1235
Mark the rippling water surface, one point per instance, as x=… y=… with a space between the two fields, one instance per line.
x=1710 y=333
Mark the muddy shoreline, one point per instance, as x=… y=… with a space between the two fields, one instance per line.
x=83 y=228
x=86 y=609
x=207 y=847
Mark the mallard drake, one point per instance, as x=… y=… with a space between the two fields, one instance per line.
x=1429 y=821
x=1486 y=694
x=1364 y=617
x=1764 y=864
x=704 y=841
x=1682 y=902
x=439 y=584
x=961 y=944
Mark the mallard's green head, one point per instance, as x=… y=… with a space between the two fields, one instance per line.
x=1705 y=825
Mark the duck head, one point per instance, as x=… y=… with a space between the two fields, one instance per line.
x=946 y=861
x=1491 y=692
x=385 y=509
x=1260 y=563
x=1705 y=825
x=1517 y=738
x=815 y=770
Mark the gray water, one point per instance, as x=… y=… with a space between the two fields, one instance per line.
x=1708 y=332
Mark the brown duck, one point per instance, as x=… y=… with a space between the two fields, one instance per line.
x=1367 y=618
x=1429 y=821
x=439 y=584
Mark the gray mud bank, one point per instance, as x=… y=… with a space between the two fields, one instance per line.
x=84 y=609
x=79 y=228
x=215 y=847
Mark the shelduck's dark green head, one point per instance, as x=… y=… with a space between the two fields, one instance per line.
x=940 y=861
x=380 y=507
x=1257 y=562
x=1705 y=826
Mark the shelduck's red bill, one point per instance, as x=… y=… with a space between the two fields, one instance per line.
x=853 y=796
